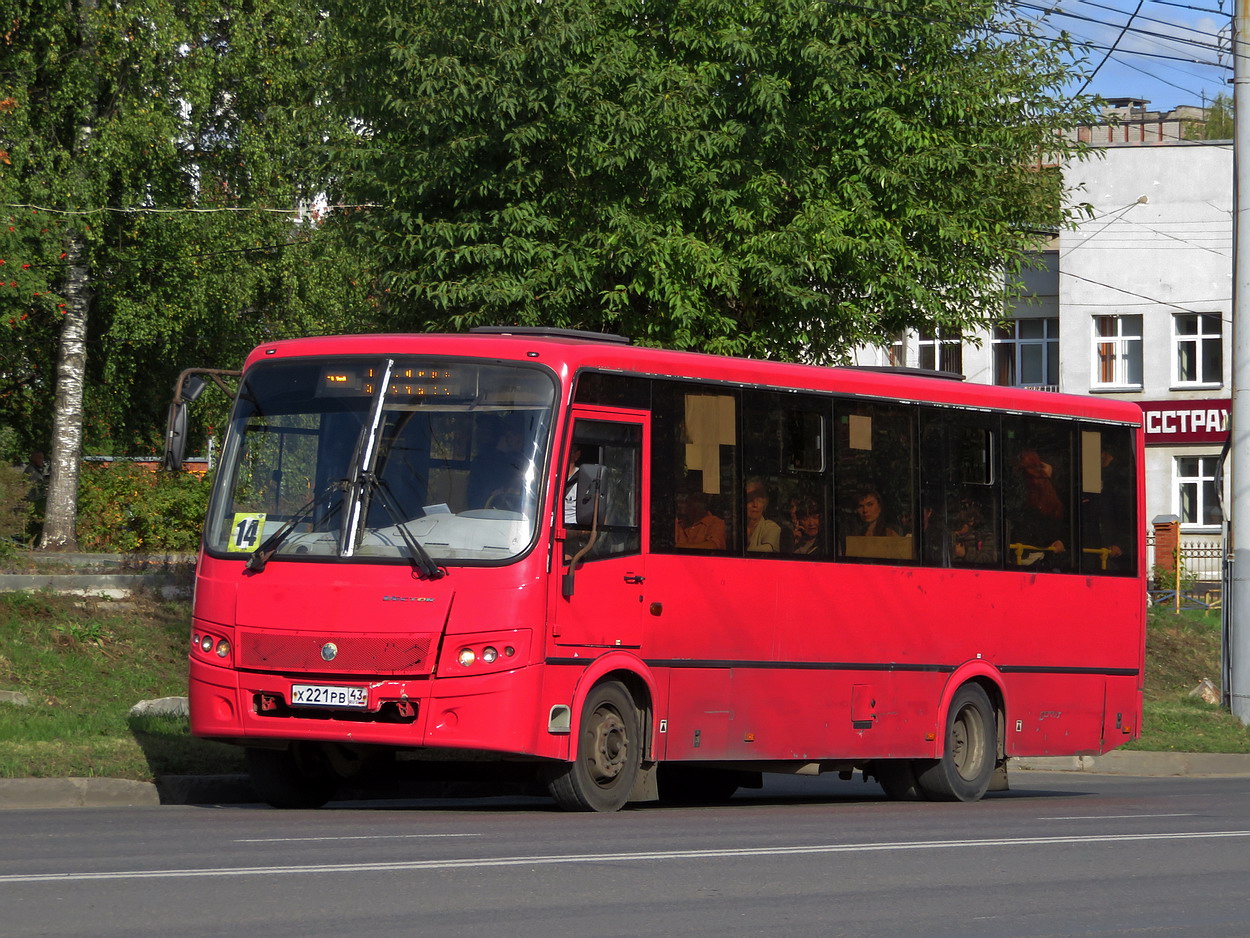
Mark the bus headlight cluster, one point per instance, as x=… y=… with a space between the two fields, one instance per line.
x=487 y=654
x=210 y=644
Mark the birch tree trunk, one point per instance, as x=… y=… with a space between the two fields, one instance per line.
x=62 y=505
x=61 y=511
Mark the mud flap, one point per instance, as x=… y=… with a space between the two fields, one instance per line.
x=645 y=786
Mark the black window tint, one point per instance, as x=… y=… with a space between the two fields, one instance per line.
x=694 y=473
x=1108 y=501
x=874 y=481
x=612 y=390
x=959 y=490
x=1037 y=494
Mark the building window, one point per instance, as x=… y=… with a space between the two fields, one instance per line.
x=1199 y=348
x=1026 y=354
x=1196 y=493
x=935 y=350
x=1117 y=351
x=941 y=350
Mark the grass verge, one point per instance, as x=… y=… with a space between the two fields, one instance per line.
x=84 y=663
x=1181 y=650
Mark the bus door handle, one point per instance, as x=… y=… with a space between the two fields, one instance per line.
x=634 y=578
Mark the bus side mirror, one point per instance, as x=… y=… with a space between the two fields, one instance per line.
x=589 y=491
x=192 y=388
x=176 y=435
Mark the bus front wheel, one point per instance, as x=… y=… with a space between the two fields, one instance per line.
x=963 y=773
x=299 y=777
x=609 y=752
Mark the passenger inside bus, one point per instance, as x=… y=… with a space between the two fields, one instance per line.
x=763 y=534
x=1038 y=532
x=870 y=510
x=696 y=527
x=804 y=534
x=972 y=539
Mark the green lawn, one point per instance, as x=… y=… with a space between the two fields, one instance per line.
x=84 y=663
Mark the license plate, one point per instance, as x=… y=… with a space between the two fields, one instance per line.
x=328 y=695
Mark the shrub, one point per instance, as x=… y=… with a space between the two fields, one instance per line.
x=126 y=508
x=18 y=493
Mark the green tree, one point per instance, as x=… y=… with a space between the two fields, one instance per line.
x=1219 y=122
x=772 y=177
x=156 y=160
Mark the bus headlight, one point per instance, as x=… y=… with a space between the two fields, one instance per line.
x=489 y=654
x=466 y=657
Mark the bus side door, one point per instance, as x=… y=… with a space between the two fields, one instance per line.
x=600 y=591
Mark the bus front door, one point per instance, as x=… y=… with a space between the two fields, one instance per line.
x=601 y=593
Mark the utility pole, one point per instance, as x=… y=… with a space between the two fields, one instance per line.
x=1237 y=620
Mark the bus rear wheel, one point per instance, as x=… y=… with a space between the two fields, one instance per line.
x=609 y=753
x=963 y=773
x=301 y=776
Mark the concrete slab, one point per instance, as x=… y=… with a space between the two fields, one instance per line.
x=1131 y=762
x=75 y=792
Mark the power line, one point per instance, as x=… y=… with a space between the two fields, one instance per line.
x=1107 y=57
x=1178 y=40
x=188 y=210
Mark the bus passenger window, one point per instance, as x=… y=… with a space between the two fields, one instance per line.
x=694 y=447
x=874 y=482
x=959 y=511
x=1108 y=497
x=1037 y=494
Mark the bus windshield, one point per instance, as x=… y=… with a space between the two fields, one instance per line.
x=383 y=459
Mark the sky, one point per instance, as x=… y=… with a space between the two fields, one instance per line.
x=1170 y=52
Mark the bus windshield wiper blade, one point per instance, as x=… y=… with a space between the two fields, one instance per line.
x=422 y=562
x=261 y=555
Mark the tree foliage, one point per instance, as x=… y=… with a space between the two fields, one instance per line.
x=771 y=177
x=1219 y=122
x=201 y=152
x=154 y=159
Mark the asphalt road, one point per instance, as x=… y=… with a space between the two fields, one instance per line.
x=1061 y=854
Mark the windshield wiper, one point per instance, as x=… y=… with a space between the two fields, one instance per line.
x=422 y=562
x=261 y=555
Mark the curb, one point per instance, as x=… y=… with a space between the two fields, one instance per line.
x=25 y=793
x=17 y=793
x=1147 y=764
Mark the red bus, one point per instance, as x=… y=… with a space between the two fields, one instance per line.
x=641 y=573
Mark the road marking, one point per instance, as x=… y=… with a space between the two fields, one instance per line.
x=1111 y=817
x=541 y=860
x=296 y=840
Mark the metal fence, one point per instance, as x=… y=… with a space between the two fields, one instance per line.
x=1193 y=578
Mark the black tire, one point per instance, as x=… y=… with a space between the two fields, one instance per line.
x=609 y=752
x=687 y=784
x=897 y=777
x=963 y=773
x=298 y=777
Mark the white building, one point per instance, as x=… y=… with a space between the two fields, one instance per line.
x=1135 y=303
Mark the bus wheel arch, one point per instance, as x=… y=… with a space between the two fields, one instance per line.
x=970 y=748
x=607 y=750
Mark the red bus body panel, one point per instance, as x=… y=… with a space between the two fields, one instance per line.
x=738 y=658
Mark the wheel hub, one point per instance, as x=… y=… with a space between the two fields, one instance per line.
x=611 y=746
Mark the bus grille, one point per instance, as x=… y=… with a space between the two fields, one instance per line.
x=387 y=654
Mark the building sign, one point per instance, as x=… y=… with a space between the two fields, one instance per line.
x=1169 y=422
